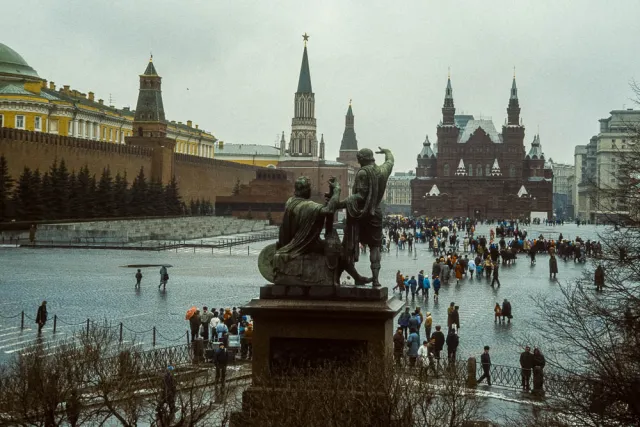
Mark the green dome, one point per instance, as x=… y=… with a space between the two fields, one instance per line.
x=12 y=63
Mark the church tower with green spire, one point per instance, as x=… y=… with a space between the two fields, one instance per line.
x=303 y=141
x=349 y=144
x=150 y=125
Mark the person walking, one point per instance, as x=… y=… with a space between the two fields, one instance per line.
x=414 y=323
x=205 y=320
x=41 y=316
x=221 y=360
x=215 y=321
x=168 y=395
x=403 y=322
x=497 y=313
x=495 y=274
x=421 y=282
x=138 y=279
x=436 y=288
x=472 y=267
x=413 y=343
x=455 y=318
x=164 y=277
x=553 y=266
x=194 y=325
x=439 y=342
x=452 y=345
x=506 y=310
x=485 y=360
x=398 y=346
x=459 y=269
x=428 y=321
x=413 y=284
x=599 y=277
x=426 y=285
x=526 y=365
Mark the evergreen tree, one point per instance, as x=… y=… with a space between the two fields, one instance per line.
x=172 y=198
x=59 y=175
x=156 y=203
x=121 y=195
x=138 y=195
x=236 y=188
x=6 y=184
x=85 y=194
x=73 y=196
x=105 y=197
x=45 y=199
x=22 y=193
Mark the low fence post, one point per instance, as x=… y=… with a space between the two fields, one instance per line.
x=154 y=336
x=88 y=321
x=247 y=250
x=471 y=372
x=187 y=337
x=229 y=249
x=120 y=332
x=55 y=323
x=22 y=321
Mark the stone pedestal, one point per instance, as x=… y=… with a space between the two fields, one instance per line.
x=296 y=326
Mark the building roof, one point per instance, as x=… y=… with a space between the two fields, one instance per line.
x=247 y=150
x=151 y=69
x=486 y=125
x=349 y=141
x=427 y=151
x=462 y=120
x=12 y=89
x=536 y=149
x=304 y=82
x=495 y=169
x=514 y=89
x=12 y=63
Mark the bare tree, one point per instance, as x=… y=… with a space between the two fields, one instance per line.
x=593 y=338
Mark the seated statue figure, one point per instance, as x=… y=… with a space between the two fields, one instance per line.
x=301 y=256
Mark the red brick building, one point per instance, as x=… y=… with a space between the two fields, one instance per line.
x=476 y=172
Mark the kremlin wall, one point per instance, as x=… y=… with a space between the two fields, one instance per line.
x=39 y=124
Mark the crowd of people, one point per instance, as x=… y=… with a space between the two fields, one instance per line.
x=214 y=327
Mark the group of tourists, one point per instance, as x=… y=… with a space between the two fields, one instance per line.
x=219 y=325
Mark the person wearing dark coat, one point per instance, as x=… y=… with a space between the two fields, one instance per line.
x=526 y=365
x=485 y=360
x=455 y=318
x=538 y=358
x=168 y=395
x=495 y=275
x=221 y=359
x=439 y=344
x=599 y=278
x=41 y=316
x=398 y=346
x=194 y=324
x=506 y=310
x=553 y=267
x=452 y=345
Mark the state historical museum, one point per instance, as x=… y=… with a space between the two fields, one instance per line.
x=473 y=171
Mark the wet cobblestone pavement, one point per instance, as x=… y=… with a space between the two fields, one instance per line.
x=80 y=284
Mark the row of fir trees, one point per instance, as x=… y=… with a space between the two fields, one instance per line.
x=62 y=194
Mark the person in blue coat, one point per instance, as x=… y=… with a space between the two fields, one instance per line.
x=420 y=282
x=436 y=288
x=426 y=285
x=413 y=284
x=413 y=342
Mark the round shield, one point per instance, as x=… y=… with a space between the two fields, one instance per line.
x=265 y=262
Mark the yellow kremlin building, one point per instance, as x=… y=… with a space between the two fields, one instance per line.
x=31 y=103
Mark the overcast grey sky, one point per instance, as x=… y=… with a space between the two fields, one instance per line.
x=232 y=66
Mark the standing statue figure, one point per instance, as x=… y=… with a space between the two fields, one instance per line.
x=364 y=217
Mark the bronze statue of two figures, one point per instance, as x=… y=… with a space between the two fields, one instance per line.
x=302 y=257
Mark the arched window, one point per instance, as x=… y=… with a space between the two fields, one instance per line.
x=470 y=170
x=445 y=169
x=478 y=170
x=512 y=170
x=487 y=170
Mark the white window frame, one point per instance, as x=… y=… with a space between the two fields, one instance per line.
x=57 y=126
x=20 y=116
x=37 y=123
x=70 y=128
